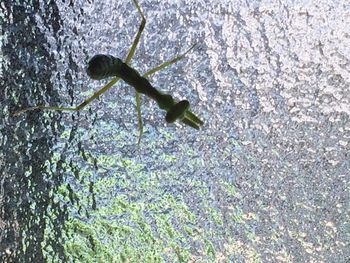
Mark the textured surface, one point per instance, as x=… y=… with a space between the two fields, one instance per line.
x=267 y=178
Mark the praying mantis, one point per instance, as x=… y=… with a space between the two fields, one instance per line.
x=104 y=66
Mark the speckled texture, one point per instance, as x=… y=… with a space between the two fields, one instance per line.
x=267 y=177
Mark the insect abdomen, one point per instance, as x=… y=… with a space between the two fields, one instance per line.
x=103 y=66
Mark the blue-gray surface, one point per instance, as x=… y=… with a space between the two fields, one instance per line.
x=269 y=78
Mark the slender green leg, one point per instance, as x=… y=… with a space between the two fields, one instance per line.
x=79 y=107
x=192 y=120
x=190 y=116
x=168 y=63
x=138 y=35
x=150 y=72
x=106 y=87
x=139 y=117
x=189 y=119
x=127 y=61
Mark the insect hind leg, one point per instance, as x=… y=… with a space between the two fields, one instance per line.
x=168 y=62
x=138 y=35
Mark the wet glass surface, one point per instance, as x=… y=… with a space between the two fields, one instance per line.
x=266 y=179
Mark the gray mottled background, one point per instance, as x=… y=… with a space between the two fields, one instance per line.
x=271 y=81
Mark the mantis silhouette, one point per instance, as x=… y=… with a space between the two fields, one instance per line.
x=104 y=66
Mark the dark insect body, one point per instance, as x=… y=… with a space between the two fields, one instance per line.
x=105 y=66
